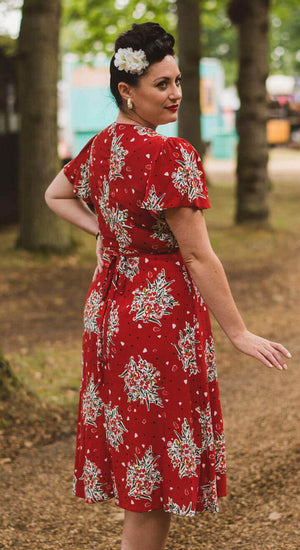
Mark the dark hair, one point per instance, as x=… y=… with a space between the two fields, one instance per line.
x=149 y=37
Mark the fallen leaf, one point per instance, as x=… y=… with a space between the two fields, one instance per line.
x=274 y=516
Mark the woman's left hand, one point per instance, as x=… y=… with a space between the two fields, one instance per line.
x=271 y=354
x=99 y=255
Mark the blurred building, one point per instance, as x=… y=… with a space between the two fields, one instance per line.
x=87 y=105
x=283 y=93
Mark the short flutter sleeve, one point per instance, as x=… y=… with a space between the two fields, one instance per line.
x=77 y=172
x=177 y=178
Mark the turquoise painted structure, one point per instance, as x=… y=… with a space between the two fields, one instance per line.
x=91 y=107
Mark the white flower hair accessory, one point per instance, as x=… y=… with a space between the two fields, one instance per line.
x=131 y=61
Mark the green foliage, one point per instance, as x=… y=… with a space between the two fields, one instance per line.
x=92 y=26
x=219 y=37
x=284 y=37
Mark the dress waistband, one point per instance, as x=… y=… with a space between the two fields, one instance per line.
x=109 y=253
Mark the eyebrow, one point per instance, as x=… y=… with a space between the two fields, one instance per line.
x=166 y=77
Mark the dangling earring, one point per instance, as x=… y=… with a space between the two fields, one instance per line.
x=129 y=103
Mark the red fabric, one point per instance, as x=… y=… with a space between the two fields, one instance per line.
x=150 y=430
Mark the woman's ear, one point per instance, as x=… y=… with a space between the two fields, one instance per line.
x=124 y=90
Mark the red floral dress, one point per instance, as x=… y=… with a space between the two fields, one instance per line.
x=150 y=430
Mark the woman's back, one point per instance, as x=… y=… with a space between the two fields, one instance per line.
x=131 y=174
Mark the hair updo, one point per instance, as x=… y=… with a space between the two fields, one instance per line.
x=149 y=37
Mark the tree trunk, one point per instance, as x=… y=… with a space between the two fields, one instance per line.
x=8 y=381
x=251 y=16
x=189 y=122
x=37 y=90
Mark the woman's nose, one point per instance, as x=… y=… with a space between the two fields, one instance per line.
x=175 y=93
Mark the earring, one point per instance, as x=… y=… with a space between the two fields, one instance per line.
x=129 y=103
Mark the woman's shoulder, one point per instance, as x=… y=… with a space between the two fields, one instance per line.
x=178 y=147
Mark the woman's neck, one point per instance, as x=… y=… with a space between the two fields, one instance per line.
x=133 y=119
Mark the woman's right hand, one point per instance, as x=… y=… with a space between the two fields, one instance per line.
x=271 y=354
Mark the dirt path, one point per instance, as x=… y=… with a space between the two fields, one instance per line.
x=281 y=163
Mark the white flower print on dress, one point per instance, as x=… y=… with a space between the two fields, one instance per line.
x=129 y=266
x=140 y=382
x=91 y=480
x=83 y=185
x=186 y=347
x=114 y=426
x=183 y=451
x=153 y=202
x=142 y=476
x=210 y=497
x=104 y=199
x=91 y=312
x=74 y=485
x=191 y=285
x=152 y=303
x=99 y=345
x=210 y=360
x=187 y=177
x=112 y=325
x=207 y=434
x=220 y=453
x=164 y=233
x=176 y=509
x=91 y=403
x=187 y=278
x=144 y=131
x=198 y=295
x=114 y=217
x=117 y=155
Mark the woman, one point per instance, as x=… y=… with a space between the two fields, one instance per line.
x=150 y=429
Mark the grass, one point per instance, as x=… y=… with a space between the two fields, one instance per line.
x=53 y=374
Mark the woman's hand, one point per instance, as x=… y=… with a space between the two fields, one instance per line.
x=99 y=255
x=269 y=353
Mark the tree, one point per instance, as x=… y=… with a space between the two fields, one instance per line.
x=8 y=381
x=37 y=91
x=188 y=29
x=251 y=17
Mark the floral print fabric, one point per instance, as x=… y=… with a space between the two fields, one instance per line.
x=150 y=430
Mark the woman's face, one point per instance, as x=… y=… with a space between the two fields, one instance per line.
x=157 y=97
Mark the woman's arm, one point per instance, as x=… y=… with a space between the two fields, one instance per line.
x=188 y=226
x=61 y=199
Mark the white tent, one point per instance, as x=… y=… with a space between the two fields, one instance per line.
x=279 y=84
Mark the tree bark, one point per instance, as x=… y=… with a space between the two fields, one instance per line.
x=37 y=91
x=251 y=16
x=189 y=121
x=8 y=381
